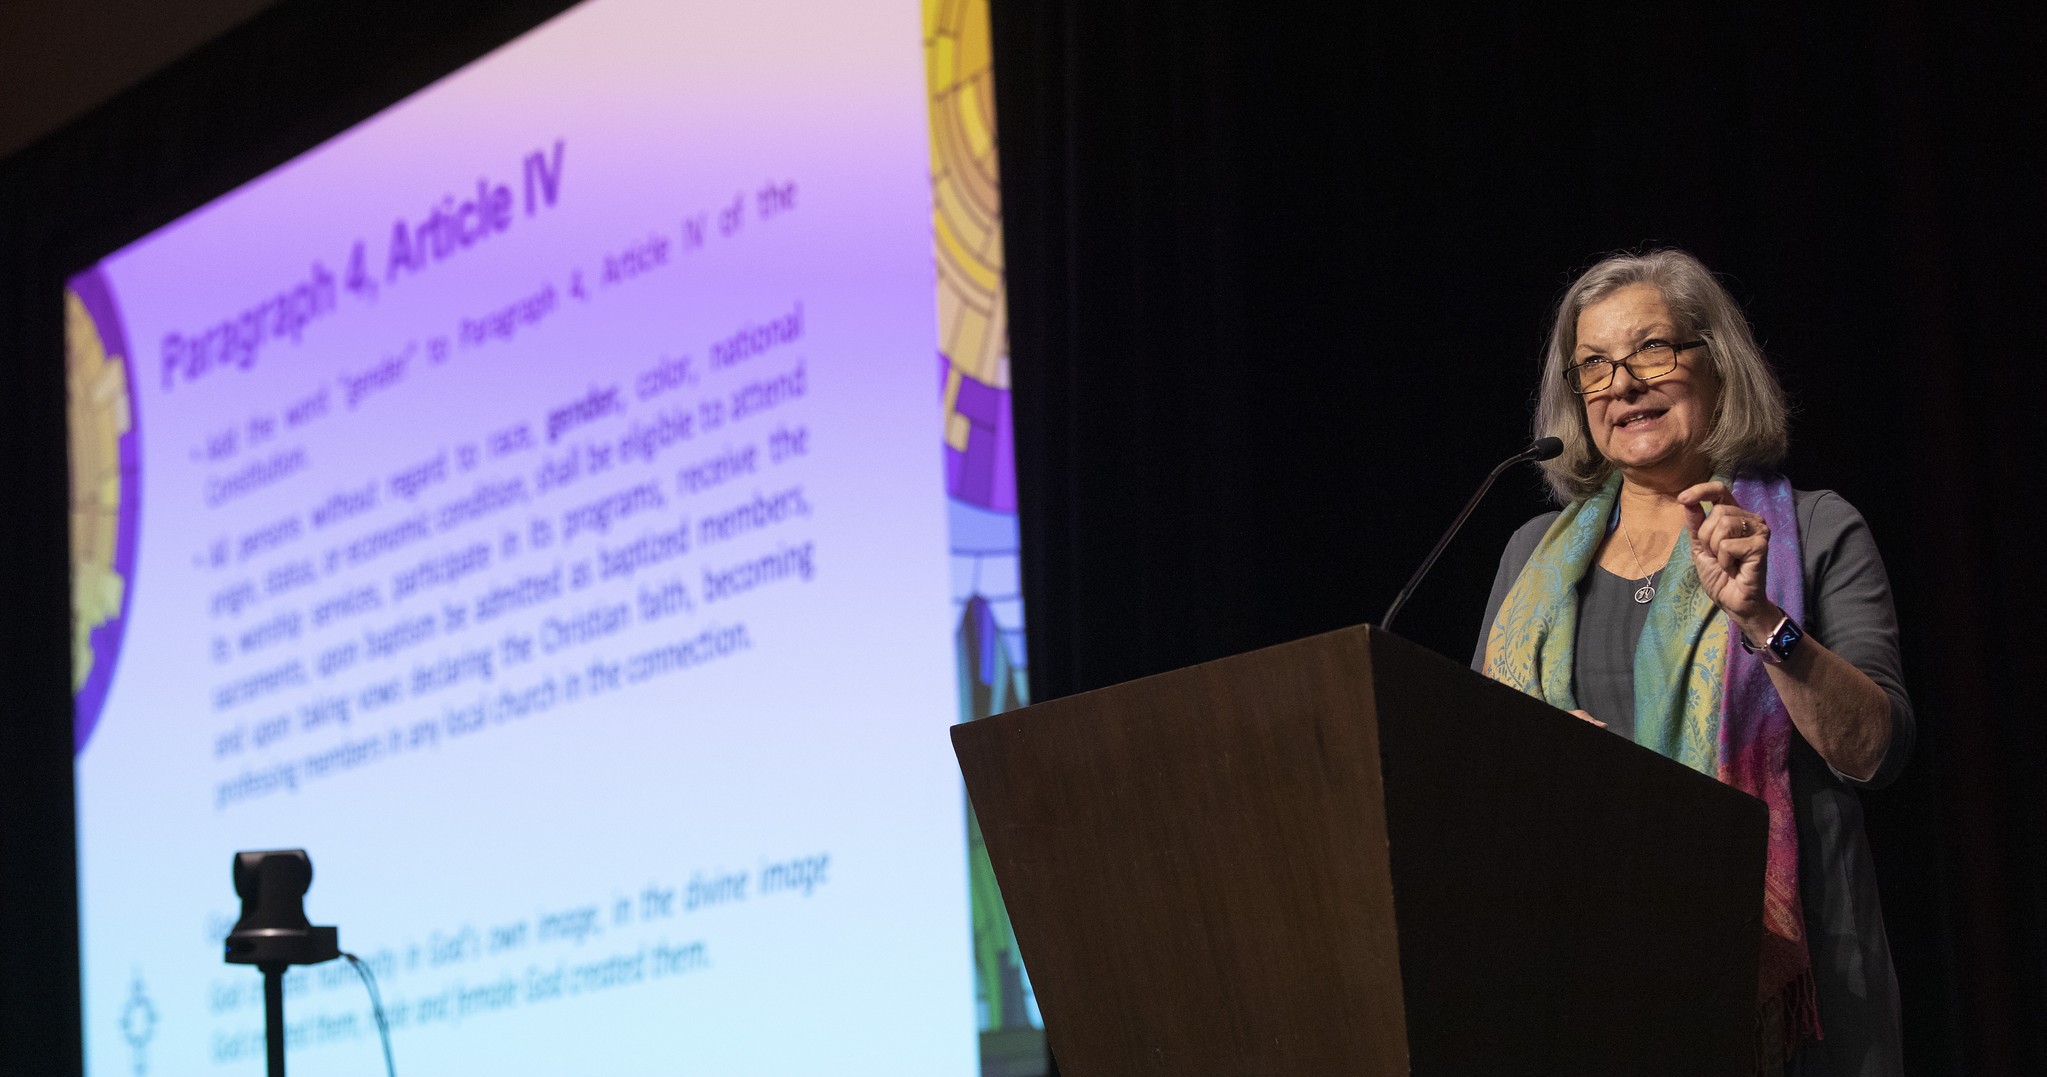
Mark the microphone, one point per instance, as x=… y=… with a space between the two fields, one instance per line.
x=1541 y=449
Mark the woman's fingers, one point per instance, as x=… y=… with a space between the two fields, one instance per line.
x=1730 y=547
x=1695 y=518
x=1590 y=718
x=1716 y=493
x=1729 y=534
x=1734 y=536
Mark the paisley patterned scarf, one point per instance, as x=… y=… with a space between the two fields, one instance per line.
x=1700 y=698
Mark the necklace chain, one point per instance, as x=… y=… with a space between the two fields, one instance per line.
x=1647 y=592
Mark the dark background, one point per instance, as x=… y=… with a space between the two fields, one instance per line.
x=1279 y=278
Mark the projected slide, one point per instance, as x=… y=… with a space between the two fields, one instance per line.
x=553 y=505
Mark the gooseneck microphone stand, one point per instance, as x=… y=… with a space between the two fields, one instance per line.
x=273 y=933
x=1542 y=449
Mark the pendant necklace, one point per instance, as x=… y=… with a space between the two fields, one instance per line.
x=1645 y=593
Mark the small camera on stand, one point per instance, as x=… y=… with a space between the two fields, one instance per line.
x=273 y=933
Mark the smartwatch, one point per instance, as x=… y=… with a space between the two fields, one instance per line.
x=1776 y=650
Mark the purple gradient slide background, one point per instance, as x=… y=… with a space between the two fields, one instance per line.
x=827 y=735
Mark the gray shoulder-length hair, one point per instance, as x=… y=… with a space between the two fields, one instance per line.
x=1751 y=423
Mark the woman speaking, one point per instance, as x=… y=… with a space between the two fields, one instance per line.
x=1687 y=598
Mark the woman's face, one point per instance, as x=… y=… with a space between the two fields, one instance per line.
x=1647 y=428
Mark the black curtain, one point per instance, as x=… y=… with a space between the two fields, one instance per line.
x=1279 y=279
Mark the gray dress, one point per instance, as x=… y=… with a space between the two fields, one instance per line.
x=1847 y=608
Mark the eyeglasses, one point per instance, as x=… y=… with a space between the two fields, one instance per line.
x=1650 y=361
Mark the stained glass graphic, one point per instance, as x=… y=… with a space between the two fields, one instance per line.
x=105 y=493
x=973 y=383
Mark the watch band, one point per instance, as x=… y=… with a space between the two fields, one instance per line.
x=1778 y=647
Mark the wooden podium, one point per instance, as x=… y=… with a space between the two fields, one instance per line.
x=1348 y=855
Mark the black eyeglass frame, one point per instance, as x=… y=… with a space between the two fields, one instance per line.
x=1571 y=372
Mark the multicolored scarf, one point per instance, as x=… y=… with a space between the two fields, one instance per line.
x=1700 y=698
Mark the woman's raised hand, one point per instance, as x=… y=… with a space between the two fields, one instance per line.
x=1731 y=551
